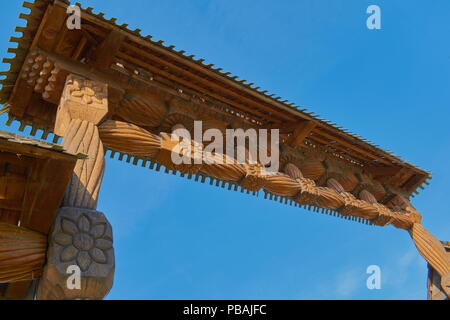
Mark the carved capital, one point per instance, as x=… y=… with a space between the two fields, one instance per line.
x=82 y=99
x=81 y=238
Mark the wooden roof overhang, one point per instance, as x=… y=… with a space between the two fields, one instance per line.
x=33 y=178
x=153 y=88
x=135 y=65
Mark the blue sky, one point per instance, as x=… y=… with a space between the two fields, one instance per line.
x=177 y=239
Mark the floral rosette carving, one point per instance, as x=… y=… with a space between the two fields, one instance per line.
x=83 y=238
x=84 y=242
x=80 y=238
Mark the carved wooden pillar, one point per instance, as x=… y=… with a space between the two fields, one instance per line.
x=434 y=252
x=81 y=238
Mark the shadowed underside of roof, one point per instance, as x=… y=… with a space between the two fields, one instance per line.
x=238 y=97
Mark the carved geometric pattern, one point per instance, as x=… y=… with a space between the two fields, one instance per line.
x=82 y=138
x=254 y=178
x=82 y=99
x=83 y=238
x=83 y=241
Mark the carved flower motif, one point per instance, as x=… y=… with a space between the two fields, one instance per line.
x=82 y=90
x=83 y=241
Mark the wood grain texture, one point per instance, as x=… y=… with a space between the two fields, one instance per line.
x=147 y=111
x=294 y=183
x=82 y=99
x=81 y=236
x=433 y=251
x=82 y=192
x=22 y=253
x=129 y=138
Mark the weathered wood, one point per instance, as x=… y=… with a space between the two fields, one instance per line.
x=435 y=290
x=105 y=56
x=295 y=185
x=301 y=132
x=81 y=236
x=22 y=290
x=106 y=53
x=22 y=253
x=29 y=168
x=433 y=251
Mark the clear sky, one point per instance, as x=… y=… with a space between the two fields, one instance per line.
x=177 y=239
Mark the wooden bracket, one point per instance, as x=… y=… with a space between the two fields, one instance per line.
x=105 y=54
x=301 y=132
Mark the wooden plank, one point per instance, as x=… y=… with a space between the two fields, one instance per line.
x=33 y=189
x=207 y=84
x=105 y=54
x=268 y=102
x=20 y=98
x=14 y=205
x=381 y=171
x=355 y=148
x=54 y=23
x=193 y=86
x=34 y=151
x=18 y=290
x=111 y=80
x=55 y=177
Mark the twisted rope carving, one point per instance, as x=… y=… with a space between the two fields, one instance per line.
x=133 y=140
x=83 y=189
x=127 y=138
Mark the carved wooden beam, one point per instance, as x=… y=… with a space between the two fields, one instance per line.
x=301 y=132
x=106 y=53
x=136 y=141
x=81 y=236
x=399 y=212
x=22 y=253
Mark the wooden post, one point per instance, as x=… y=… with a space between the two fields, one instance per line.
x=434 y=253
x=81 y=239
